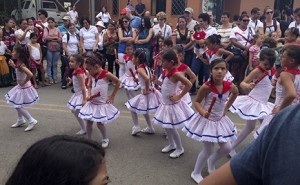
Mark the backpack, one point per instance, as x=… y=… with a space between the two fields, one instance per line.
x=68 y=38
x=274 y=25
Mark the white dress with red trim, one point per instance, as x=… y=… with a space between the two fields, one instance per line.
x=217 y=128
x=97 y=109
x=280 y=94
x=144 y=104
x=255 y=105
x=75 y=101
x=21 y=96
x=186 y=98
x=127 y=79
x=171 y=114
x=211 y=55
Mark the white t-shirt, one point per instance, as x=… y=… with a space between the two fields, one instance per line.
x=294 y=24
x=236 y=33
x=89 y=36
x=35 y=52
x=100 y=43
x=210 y=31
x=191 y=25
x=26 y=40
x=255 y=24
x=73 y=15
x=104 y=17
x=45 y=24
x=166 y=30
x=72 y=44
x=3 y=48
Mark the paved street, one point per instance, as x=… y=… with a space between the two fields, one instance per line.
x=130 y=160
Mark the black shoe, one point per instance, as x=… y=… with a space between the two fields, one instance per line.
x=63 y=87
x=72 y=90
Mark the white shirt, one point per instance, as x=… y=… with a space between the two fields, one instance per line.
x=26 y=40
x=45 y=24
x=166 y=30
x=3 y=48
x=89 y=36
x=100 y=43
x=104 y=17
x=255 y=24
x=210 y=31
x=73 y=15
x=294 y=24
x=72 y=44
x=191 y=25
x=236 y=31
x=225 y=34
x=35 y=52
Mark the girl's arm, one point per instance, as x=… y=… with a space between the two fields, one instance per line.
x=113 y=78
x=82 y=86
x=59 y=35
x=187 y=86
x=227 y=53
x=233 y=94
x=144 y=75
x=156 y=80
x=41 y=54
x=146 y=40
x=134 y=35
x=191 y=74
x=202 y=93
x=248 y=81
x=28 y=75
x=89 y=86
x=287 y=81
x=250 y=61
x=30 y=50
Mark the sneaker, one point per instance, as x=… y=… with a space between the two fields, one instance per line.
x=64 y=87
x=177 y=153
x=81 y=132
x=18 y=123
x=135 y=130
x=168 y=148
x=30 y=125
x=104 y=143
x=196 y=178
x=148 y=130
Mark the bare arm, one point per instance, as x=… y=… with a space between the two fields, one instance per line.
x=227 y=53
x=202 y=93
x=191 y=74
x=247 y=82
x=113 y=78
x=144 y=75
x=287 y=81
x=187 y=86
x=28 y=75
x=233 y=94
x=82 y=86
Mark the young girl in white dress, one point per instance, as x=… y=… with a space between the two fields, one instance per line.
x=173 y=113
x=255 y=105
x=79 y=98
x=211 y=125
x=288 y=83
x=99 y=106
x=23 y=94
x=149 y=99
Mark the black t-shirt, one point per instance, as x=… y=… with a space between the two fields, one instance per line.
x=140 y=8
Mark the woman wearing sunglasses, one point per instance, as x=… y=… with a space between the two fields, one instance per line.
x=270 y=24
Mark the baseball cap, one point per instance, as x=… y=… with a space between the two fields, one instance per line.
x=189 y=10
x=66 y=18
x=123 y=12
x=155 y=19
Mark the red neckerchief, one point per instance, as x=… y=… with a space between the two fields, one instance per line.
x=127 y=58
x=102 y=75
x=293 y=71
x=182 y=67
x=165 y=74
x=226 y=88
x=142 y=66
x=78 y=71
x=210 y=53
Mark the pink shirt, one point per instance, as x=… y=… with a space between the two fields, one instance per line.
x=254 y=50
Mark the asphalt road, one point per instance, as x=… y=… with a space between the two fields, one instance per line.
x=130 y=160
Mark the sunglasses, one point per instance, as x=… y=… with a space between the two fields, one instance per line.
x=269 y=12
x=246 y=20
x=125 y=21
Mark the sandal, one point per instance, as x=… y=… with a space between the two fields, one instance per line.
x=50 y=81
x=55 y=81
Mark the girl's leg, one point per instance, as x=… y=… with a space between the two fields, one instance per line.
x=179 y=149
x=20 y=120
x=221 y=152
x=32 y=121
x=43 y=76
x=250 y=126
x=149 y=129
x=105 y=140
x=172 y=144
x=81 y=123
x=207 y=150
x=34 y=77
x=136 y=128
x=89 y=129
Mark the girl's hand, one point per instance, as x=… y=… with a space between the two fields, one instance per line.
x=251 y=85
x=69 y=81
x=274 y=81
x=118 y=61
x=110 y=99
x=250 y=68
x=174 y=98
x=94 y=49
x=38 y=62
x=275 y=110
x=144 y=92
x=206 y=114
x=22 y=82
x=136 y=80
x=11 y=63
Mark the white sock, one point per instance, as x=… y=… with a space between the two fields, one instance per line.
x=102 y=129
x=20 y=115
x=80 y=121
x=147 y=118
x=177 y=139
x=207 y=150
x=170 y=136
x=250 y=126
x=89 y=129
x=221 y=152
x=26 y=114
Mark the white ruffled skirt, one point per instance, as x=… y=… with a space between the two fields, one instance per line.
x=128 y=83
x=263 y=125
x=22 y=96
x=75 y=102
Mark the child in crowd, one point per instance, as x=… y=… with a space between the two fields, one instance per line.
x=79 y=98
x=211 y=125
x=199 y=38
x=255 y=105
x=254 y=51
x=23 y=94
x=36 y=59
x=157 y=51
x=149 y=99
x=172 y=113
x=99 y=107
x=4 y=69
x=291 y=36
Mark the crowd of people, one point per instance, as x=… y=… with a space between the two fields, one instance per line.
x=236 y=66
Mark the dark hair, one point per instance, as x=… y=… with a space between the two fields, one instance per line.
x=214 y=39
x=105 y=9
x=227 y=14
x=140 y=54
x=79 y=59
x=44 y=12
x=50 y=19
x=121 y=22
x=297 y=11
x=244 y=13
x=236 y=17
x=59 y=160
x=70 y=24
x=33 y=34
x=20 y=21
x=169 y=55
x=22 y=53
x=85 y=18
x=205 y=17
x=242 y=16
x=147 y=23
x=268 y=54
x=111 y=22
x=270 y=42
x=255 y=10
x=129 y=45
x=213 y=64
x=93 y=60
x=168 y=42
x=30 y=18
x=292 y=51
x=178 y=48
x=294 y=31
x=197 y=27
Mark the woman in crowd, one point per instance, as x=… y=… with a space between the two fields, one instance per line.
x=104 y=16
x=89 y=37
x=270 y=24
x=224 y=30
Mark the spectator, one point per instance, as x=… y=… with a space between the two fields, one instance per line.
x=155 y=21
x=162 y=29
x=64 y=28
x=148 y=14
x=23 y=34
x=100 y=49
x=89 y=37
x=190 y=22
x=255 y=23
x=130 y=6
x=104 y=16
x=42 y=16
x=61 y=160
x=224 y=30
x=140 y=9
x=134 y=21
x=236 y=21
x=270 y=24
x=53 y=37
x=73 y=15
x=296 y=23
x=213 y=22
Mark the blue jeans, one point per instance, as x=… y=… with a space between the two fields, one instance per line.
x=52 y=58
x=189 y=57
x=201 y=70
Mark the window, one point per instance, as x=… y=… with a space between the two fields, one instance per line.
x=215 y=6
x=158 y=6
x=49 y=5
x=115 y=7
x=26 y=6
x=178 y=7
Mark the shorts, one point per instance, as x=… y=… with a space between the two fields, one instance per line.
x=34 y=65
